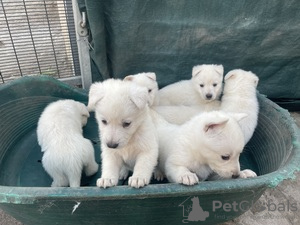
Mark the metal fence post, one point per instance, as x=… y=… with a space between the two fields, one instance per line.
x=83 y=46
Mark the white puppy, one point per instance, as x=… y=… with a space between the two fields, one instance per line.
x=128 y=136
x=204 y=88
x=147 y=80
x=177 y=114
x=210 y=142
x=66 y=151
x=240 y=97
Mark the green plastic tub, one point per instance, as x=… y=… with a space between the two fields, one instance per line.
x=273 y=153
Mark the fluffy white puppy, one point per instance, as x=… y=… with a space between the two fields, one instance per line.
x=239 y=96
x=204 y=88
x=176 y=114
x=210 y=142
x=66 y=151
x=128 y=136
x=147 y=80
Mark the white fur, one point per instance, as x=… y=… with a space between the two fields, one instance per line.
x=128 y=136
x=206 y=81
x=239 y=96
x=147 y=80
x=179 y=114
x=194 y=150
x=66 y=151
x=247 y=173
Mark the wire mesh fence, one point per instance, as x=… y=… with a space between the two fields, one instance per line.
x=37 y=37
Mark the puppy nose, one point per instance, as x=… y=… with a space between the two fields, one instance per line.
x=234 y=176
x=112 y=145
x=208 y=96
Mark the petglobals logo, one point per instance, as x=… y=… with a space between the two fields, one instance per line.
x=243 y=206
x=192 y=210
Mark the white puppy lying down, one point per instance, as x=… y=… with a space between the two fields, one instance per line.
x=210 y=142
x=240 y=97
x=176 y=114
x=147 y=80
x=128 y=136
x=204 y=88
x=66 y=151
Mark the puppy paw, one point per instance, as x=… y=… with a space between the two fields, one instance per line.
x=188 y=179
x=158 y=175
x=137 y=182
x=247 y=173
x=106 y=182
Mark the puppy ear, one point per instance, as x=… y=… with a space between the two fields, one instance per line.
x=229 y=75
x=139 y=96
x=214 y=127
x=129 y=78
x=196 y=70
x=219 y=69
x=238 y=116
x=96 y=93
x=152 y=76
x=254 y=78
x=84 y=111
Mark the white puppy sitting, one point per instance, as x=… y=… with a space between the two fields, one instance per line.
x=239 y=96
x=204 y=88
x=128 y=136
x=210 y=142
x=147 y=80
x=66 y=151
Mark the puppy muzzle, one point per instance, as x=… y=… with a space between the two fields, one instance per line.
x=208 y=96
x=112 y=145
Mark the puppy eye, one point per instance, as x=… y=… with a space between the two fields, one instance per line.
x=104 y=122
x=149 y=90
x=126 y=124
x=201 y=85
x=215 y=85
x=225 y=157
